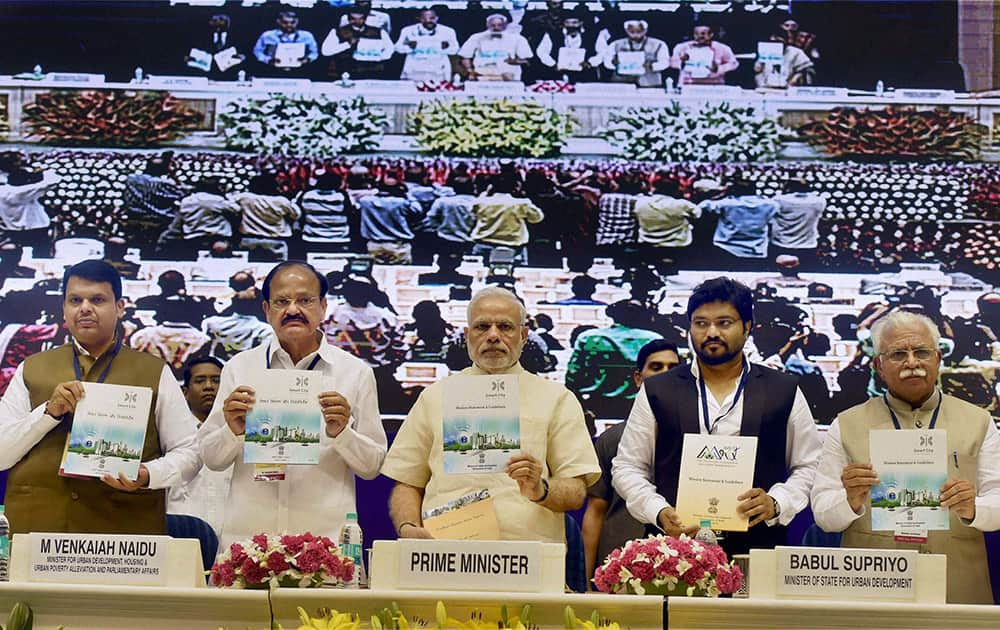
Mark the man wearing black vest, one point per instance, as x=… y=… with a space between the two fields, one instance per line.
x=36 y=417
x=721 y=393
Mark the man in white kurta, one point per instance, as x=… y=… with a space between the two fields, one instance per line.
x=311 y=498
x=549 y=475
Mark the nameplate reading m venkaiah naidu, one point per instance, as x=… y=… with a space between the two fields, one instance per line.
x=98 y=559
x=471 y=565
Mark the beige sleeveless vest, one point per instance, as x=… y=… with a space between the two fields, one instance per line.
x=966 y=424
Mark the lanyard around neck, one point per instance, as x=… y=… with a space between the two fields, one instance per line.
x=76 y=361
x=710 y=427
x=895 y=420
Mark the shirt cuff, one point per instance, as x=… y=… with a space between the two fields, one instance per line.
x=653 y=508
x=985 y=517
x=159 y=475
x=345 y=439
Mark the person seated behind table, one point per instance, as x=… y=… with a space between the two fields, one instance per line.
x=547 y=477
x=607 y=525
x=908 y=360
x=36 y=416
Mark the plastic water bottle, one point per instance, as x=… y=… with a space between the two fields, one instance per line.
x=37 y=71
x=139 y=75
x=668 y=87
x=4 y=547
x=351 y=544
x=241 y=76
x=879 y=88
x=705 y=534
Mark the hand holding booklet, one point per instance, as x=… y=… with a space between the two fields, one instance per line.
x=470 y=517
x=715 y=470
x=108 y=432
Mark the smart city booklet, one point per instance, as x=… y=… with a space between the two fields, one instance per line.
x=481 y=425
x=911 y=466
x=108 y=432
x=285 y=423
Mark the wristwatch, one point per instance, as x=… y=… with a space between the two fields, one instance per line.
x=777 y=507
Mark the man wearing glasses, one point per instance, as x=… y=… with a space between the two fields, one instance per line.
x=908 y=359
x=314 y=498
x=720 y=393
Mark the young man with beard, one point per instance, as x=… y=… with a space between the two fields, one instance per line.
x=314 y=498
x=720 y=393
x=908 y=359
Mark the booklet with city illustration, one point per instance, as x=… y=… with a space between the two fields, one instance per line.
x=285 y=423
x=911 y=467
x=481 y=423
x=109 y=429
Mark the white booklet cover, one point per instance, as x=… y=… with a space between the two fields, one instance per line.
x=286 y=421
x=912 y=466
x=108 y=432
x=227 y=58
x=482 y=423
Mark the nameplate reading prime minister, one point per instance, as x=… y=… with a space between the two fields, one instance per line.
x=465 y=565
x=98 y=559
x=715 y=470
x=829 y=573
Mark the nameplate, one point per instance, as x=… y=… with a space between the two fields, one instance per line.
x=98 y=559
x=923 y=95
x=470 y=565
x=711 y=90
x=178 y=81
x=281 y=84
x=817 y=92
x=601 y=89
x=820 y=572
x=74 y=77
x=494 y=87
x=374 y=85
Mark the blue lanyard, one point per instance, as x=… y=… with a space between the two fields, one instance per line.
x=895 y=420
x=104 y=374
x=267 y=359
x=736 y=399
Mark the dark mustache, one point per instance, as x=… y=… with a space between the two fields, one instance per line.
x=708 y=341
x=294 y=318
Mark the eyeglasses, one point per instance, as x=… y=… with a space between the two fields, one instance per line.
x=900 y=356
x=282 y=303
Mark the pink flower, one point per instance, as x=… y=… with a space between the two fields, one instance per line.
x=223 y=574
x=260 y=540
x=236 y=553
x=276 y=562
x=729 y=579
x=293 y=544
x=643 y=570
x=309 y=561
x=253 y=572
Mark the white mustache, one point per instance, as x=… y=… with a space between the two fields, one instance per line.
x=907 y=373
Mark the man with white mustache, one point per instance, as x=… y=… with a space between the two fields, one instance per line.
x=908 y=359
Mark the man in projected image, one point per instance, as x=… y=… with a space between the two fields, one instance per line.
x=550 y=473
x=314 y=498
x=908 y=360
x=720 y=393
x=36 y=416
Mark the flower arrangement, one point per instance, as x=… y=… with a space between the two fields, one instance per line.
x=108 y=118
x=553 y=86
x=295 y=125
x=665 y=565
x=438 y=86
x=498 y=127
x=717 y=132
x=897 y=132
x=272 y=561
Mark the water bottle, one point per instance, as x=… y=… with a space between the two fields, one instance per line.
x=879 y=88
x=4 y=547
x=139 y=75
x=241 y=76
x=457 y=79
x=37 y=71
x=351 y=542
x=705 y=534
x=668 y=87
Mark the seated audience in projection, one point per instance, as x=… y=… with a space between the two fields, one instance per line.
x=546 y=477
x=151 y=199
x=266 y=219
x=316 y=498
x=36 y=415
x=387 y=219
x=849 y=482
